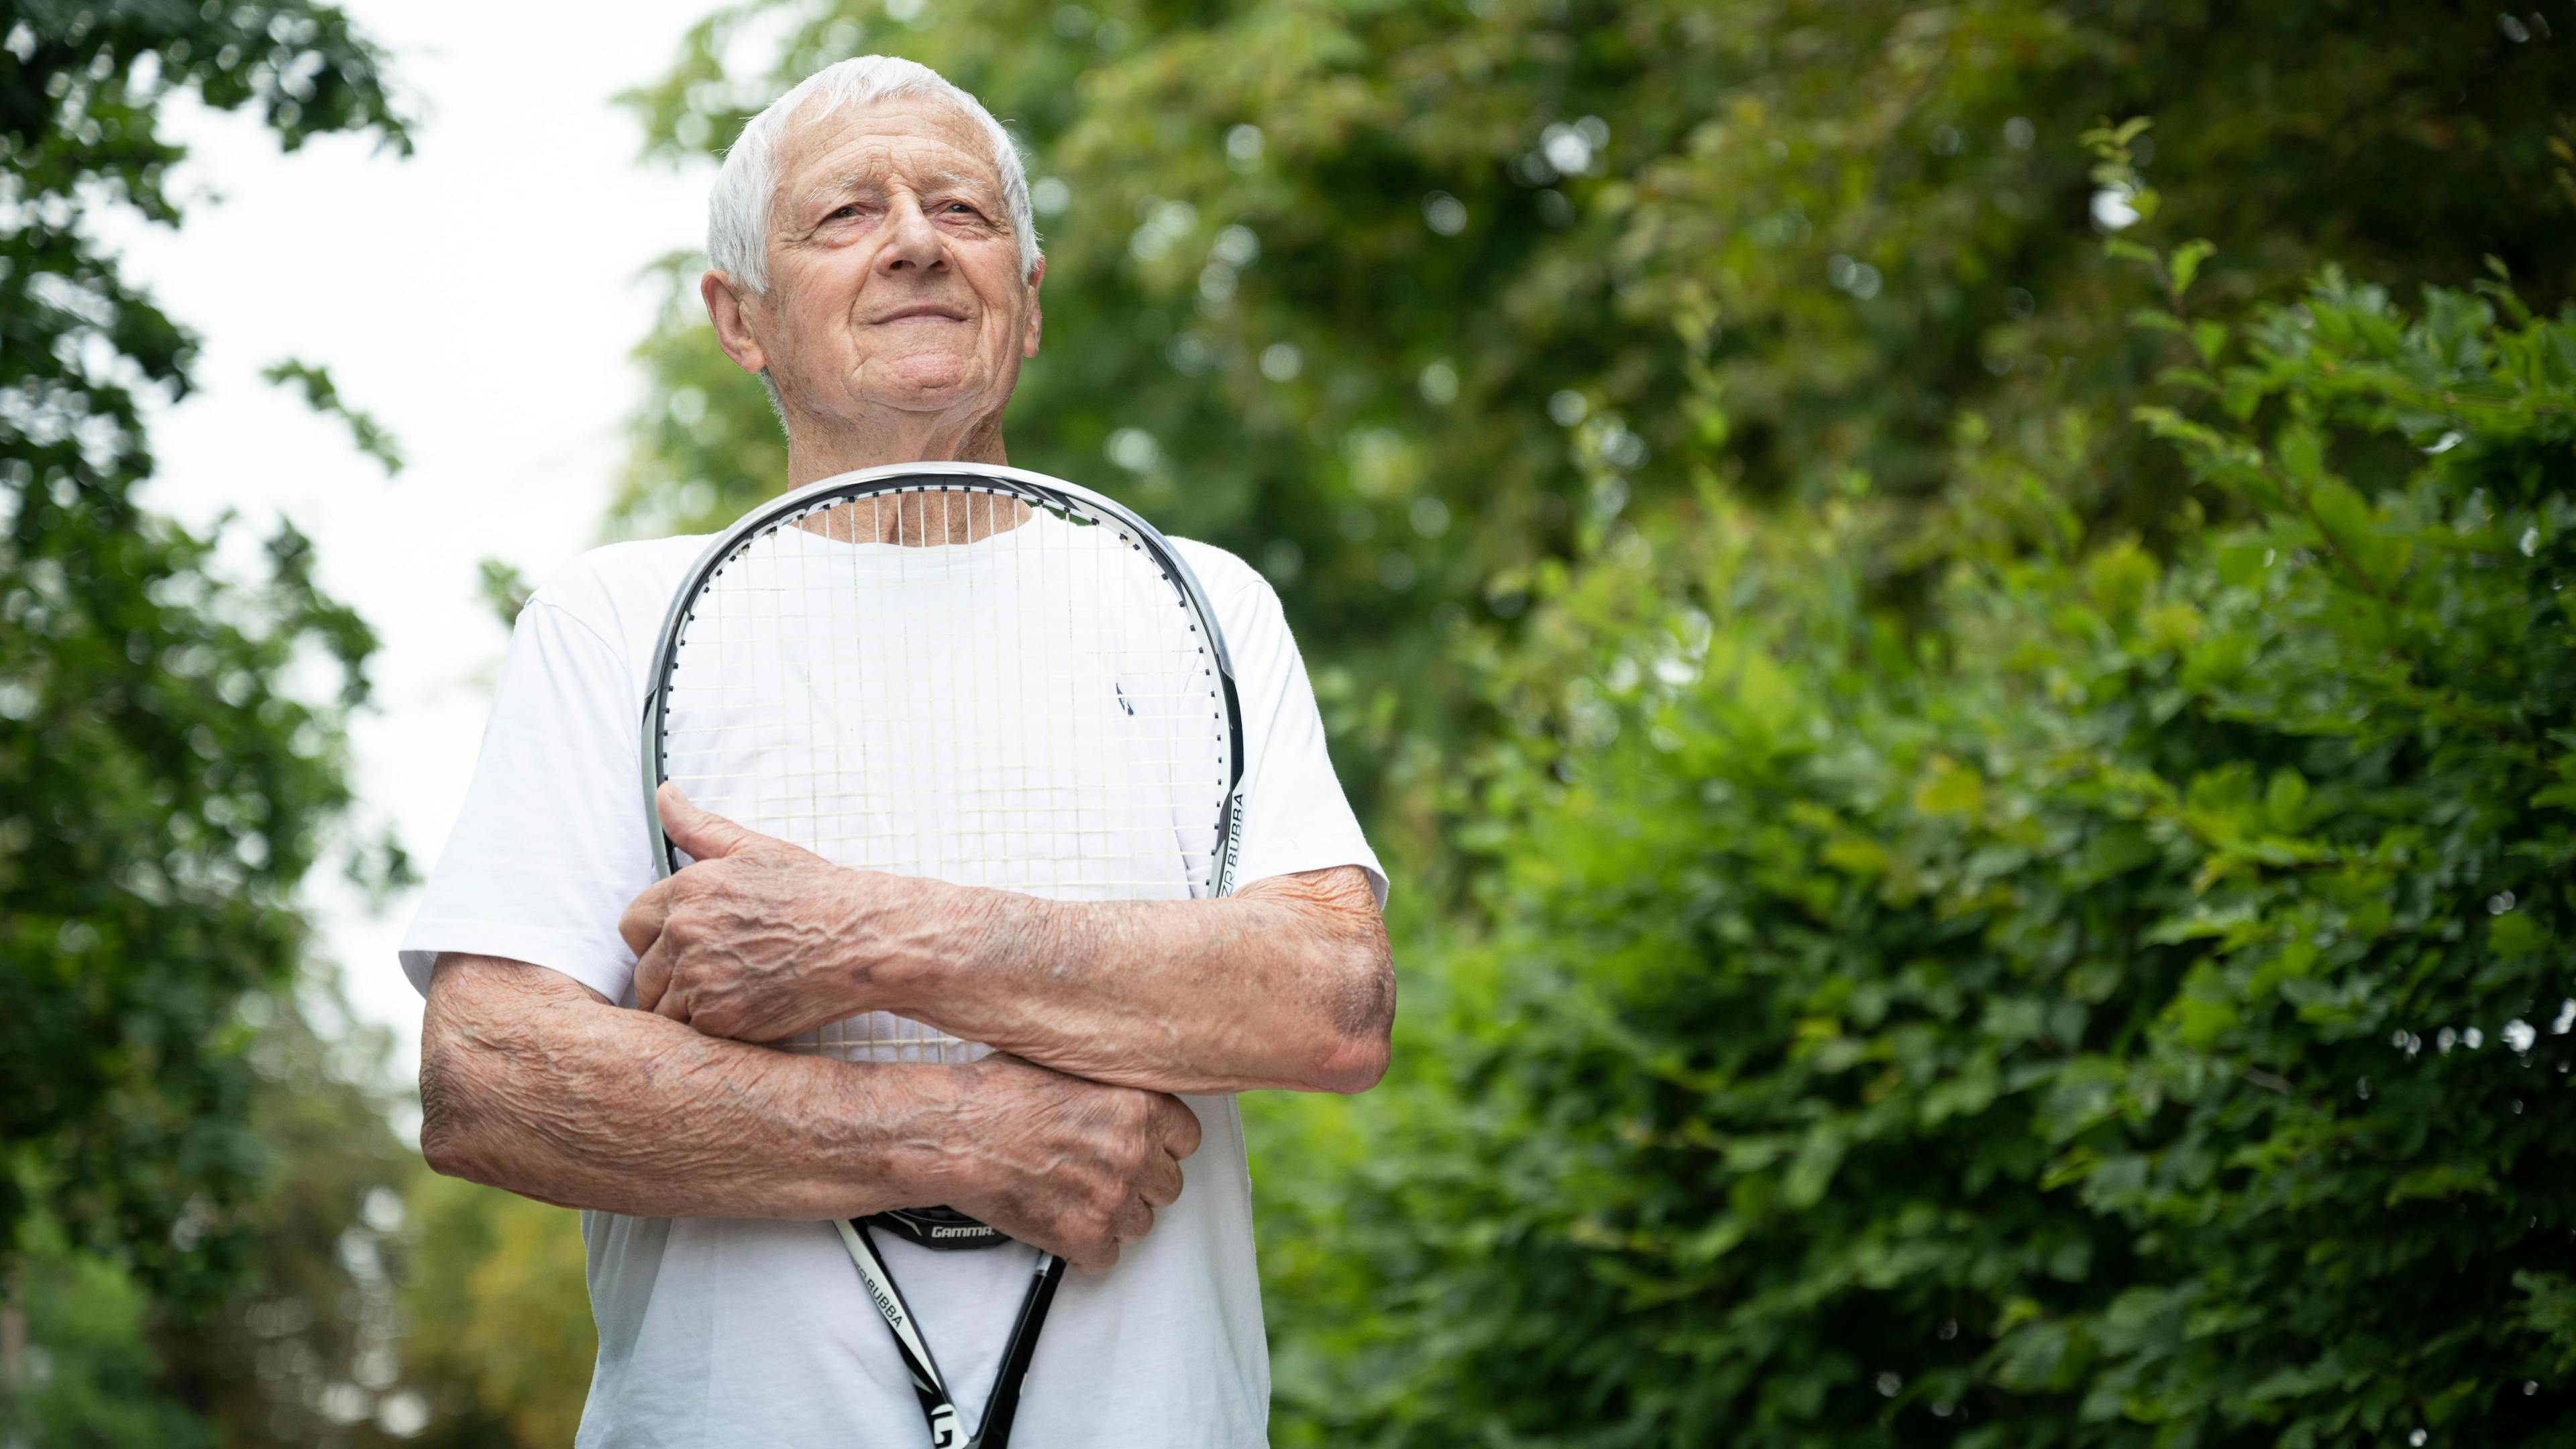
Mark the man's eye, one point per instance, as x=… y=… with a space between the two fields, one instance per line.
x=842 y=211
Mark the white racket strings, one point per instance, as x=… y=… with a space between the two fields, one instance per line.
x=959 y=683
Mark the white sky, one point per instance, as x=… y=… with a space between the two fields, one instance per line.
x=479 y=299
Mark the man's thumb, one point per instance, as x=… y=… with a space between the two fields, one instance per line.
x=703 y=834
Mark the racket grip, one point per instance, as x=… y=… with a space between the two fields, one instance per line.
x=995 y=1432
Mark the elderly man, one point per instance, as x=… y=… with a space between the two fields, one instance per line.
x=874 y=264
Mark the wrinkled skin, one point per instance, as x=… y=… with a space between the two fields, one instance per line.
x=896 y=316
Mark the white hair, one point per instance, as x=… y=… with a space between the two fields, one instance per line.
x=740 y=203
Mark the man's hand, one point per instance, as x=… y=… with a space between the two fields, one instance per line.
x=1064 y=1164
x=759 y=939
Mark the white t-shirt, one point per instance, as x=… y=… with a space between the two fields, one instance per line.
x=743 y=1332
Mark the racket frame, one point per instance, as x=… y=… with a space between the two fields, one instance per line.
x=992 y=1430
x=1053 y=494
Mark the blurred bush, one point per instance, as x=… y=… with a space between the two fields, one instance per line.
x=2133 y=1012
x=496 y=1316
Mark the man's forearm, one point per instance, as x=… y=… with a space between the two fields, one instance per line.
x=532 y=1082
x=1287 y=984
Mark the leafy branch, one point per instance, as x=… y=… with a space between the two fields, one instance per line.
x=371 y=437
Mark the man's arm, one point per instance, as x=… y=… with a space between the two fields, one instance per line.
x=535 y=1083
x=1287 y=983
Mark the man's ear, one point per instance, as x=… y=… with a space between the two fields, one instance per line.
x=726 y=310
x=1037 y=313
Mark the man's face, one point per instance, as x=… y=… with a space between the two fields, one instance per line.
x=894 y=274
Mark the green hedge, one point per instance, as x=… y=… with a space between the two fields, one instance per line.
x=2135 y=1012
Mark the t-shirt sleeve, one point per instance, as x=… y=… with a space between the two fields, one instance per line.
x=1295 y=816
x=551 y=844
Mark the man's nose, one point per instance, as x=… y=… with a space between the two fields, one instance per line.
x=914 y=242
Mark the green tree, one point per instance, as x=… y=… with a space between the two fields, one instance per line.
x=496 y=1316
x=163 y=794
x=300 y=1346
x=184 y=1163
x=87 y=1374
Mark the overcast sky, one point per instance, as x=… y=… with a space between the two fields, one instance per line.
x=479 y=298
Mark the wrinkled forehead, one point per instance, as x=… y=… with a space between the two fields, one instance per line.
x=902 y=138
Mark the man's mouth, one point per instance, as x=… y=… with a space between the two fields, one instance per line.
x=922 y=312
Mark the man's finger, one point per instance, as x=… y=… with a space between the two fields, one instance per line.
x=1134 y=1220
x=652 y=975
x=675 y=1005
x=1160 y=1183
x=678 y=1005
x=703 y=834
x=1179 y=1126
x=641 y=925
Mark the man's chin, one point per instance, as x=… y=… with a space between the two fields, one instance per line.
x=926 y=382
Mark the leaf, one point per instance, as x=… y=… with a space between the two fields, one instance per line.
x=1856 y=856
x=1950 y=789
x=2116 y=850
x=2548 y=1308
x=2185 y=262
x=2034 y=1358
x=2241 y=393
x=2285 y=801
x=1812 y=1170
x=505 y=589
x=2170 y=625
x=370 y=436
x=2516 y=935
x=2440 y=1182
x=2122 y=249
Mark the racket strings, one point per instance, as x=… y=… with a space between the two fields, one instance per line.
x=958 y=684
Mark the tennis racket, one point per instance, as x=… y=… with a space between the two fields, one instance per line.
x=973 y=674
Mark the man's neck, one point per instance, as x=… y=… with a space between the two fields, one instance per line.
x=817 y=450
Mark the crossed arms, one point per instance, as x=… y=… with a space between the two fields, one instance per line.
x=1067 y=1138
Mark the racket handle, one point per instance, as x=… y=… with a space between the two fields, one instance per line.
x=995 y=1431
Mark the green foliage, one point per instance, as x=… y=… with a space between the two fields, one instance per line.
x=505 y=589
x=2135 y=1012
x=296 y=1343
x=97 y=1378
x=1404 y=301
x=160 y=792
x=185 y=1163
x=369 y=436
x=496 y=1316
x=305 y=1339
